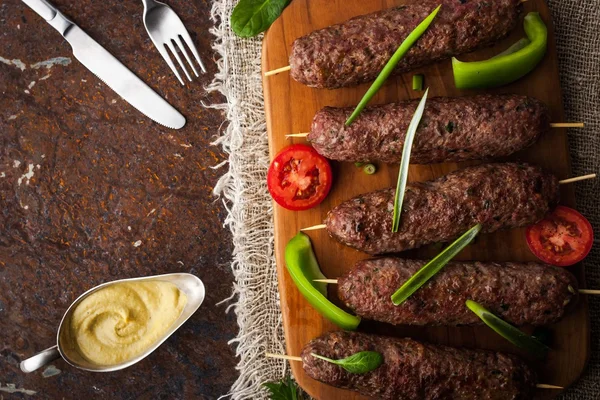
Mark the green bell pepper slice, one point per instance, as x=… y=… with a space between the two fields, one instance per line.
x=509 y=332
x=520 y=44
x=303 y=267
x=508 y=66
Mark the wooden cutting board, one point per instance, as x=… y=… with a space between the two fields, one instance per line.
x=290 y=108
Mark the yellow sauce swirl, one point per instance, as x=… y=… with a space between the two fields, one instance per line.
x=121 y=321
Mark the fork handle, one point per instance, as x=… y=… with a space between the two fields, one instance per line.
x=50 y=14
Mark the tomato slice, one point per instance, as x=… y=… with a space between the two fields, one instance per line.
x=563 y=238
x=299 y=178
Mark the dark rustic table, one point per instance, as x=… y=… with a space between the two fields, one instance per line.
x=92 y=191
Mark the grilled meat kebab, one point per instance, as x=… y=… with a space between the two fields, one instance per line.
x=498 y=196
x=356 y=51
x=418 y=371
x=451 y=129
x=519 y=293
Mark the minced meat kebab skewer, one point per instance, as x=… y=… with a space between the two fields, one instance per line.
x=497 y=196
x=452 y=129
x=412 y=370
x=520 y=293
x=356 y=51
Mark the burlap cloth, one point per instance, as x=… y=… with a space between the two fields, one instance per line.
x=255 y=298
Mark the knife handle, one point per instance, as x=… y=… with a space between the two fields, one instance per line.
x=50 y=14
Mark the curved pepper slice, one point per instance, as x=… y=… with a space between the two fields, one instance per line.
x=520 y=44
x=303 y=267
x=508 y=66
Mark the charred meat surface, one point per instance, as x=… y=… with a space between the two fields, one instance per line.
x=417 y=371
x=498 y=196
x=451 y=130
x=355 y=51
x=519 y=293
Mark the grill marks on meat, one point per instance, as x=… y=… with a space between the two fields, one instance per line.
x=451 y=130
x=499 y=196
x=520 y=293
x=419 y=371
x=355 y=51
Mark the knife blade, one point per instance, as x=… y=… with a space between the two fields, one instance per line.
x=108 y=69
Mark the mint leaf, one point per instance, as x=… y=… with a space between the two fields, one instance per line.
x=358 y=363
x=251 y=17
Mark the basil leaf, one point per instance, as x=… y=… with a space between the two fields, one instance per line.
x=286 y=389
x=358 y=363
x=405 y=161
x=251 y=17
x=509 y=332
x=434 y=266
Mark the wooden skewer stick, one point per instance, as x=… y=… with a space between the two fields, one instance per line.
x=589 y=291
x=334 y=281
x=553 y=125
x=283 y=357
x=567 y=125
x=314 y=228
x=577 y=179
x=295 y=135
x=278 y=70
x=545 y=386
x=292 y=358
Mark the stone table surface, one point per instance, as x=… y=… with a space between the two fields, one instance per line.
x=93 y=191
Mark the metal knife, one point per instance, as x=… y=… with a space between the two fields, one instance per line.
x=110 y=70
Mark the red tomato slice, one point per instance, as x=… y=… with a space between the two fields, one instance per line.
x=563 y=238
x=299 y=178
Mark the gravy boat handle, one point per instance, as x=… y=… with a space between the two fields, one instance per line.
x=40 y=359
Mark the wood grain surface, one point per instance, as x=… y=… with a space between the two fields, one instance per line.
x=290 y=108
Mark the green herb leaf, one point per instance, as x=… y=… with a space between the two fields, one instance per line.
x=358 y=363
x=434 y=266
x=509 y=332
x=251 y=17
x=286 y=389
x=392 y=63
x=405 y=162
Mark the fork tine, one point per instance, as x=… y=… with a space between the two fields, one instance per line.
x=185 y=53
x=176 y=54
x=188 y=40
x=165 y=54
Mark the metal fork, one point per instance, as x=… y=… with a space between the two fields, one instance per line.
x=166 y=31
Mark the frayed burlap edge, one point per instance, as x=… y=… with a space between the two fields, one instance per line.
x=249 y=211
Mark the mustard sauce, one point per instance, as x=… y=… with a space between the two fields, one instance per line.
x=119 y=322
